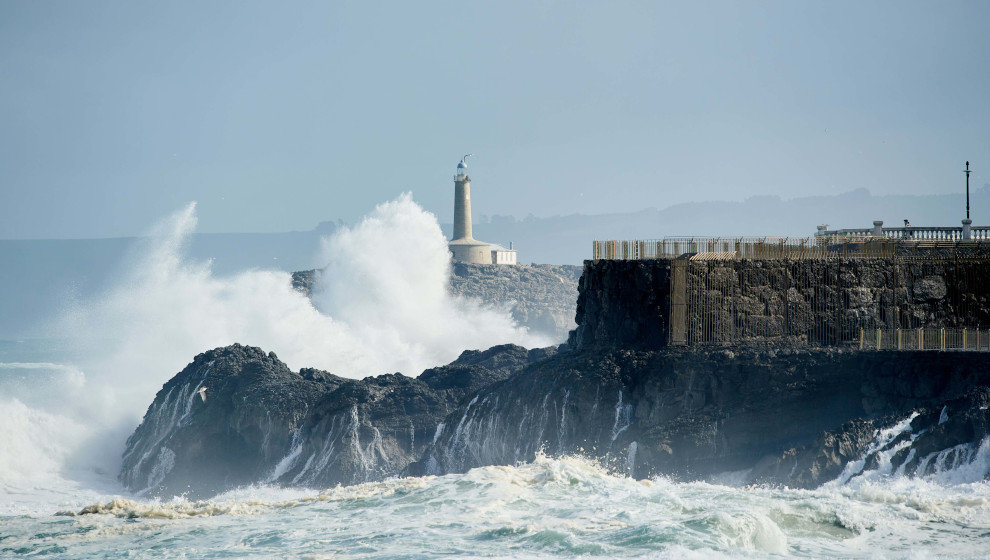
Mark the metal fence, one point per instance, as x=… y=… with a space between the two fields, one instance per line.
x=925 y=339
x=709 y=248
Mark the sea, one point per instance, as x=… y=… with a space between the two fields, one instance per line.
x=71 y=394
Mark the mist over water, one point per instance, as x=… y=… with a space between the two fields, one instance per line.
x=381 y=306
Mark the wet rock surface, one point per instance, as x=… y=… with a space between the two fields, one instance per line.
x=220 y=422
x=237 y=416
x=794 y=417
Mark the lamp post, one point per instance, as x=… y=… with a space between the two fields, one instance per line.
x=967 y=223
x=967 y=172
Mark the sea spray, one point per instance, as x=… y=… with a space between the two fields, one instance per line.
x=387 y=278
x=382 y=306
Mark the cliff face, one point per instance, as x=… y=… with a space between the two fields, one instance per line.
x=623 y=304
x=237 y=416
x=252 y=404
x=540 y=297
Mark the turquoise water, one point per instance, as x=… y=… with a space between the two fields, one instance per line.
x=59 y=499
x=560 y=507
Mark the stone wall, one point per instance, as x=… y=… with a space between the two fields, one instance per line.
x=653 y=303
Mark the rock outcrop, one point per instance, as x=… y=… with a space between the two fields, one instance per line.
x=941 y=440
x=540 y=297
x=795 y=417
x=221 y=421
x=237 y=416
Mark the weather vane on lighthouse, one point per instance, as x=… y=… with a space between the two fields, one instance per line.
x=462 y=167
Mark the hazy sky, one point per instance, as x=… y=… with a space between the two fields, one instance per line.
x=278 y=115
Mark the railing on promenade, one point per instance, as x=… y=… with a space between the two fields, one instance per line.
x=794 y=248
x=906 y=234
x=931 y=338
x=725 y=248
x=966 y=233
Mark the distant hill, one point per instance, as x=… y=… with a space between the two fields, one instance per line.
x=567 y=239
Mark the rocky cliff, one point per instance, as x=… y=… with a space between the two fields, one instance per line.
x=623 y=304
x=237 y=416
x=796 y=417
x=540 y=297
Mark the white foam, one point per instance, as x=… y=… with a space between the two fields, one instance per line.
x=34 y=443
x=571 y=505
x=382 y=306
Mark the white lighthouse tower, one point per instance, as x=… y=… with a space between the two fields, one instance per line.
x=464 y=246
x=462 y=202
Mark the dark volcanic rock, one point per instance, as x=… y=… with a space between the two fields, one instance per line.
x=822 y=460
x=797 y=417
x=623 y=304
x=793 y=417
x=261 y=422
x=252 y=403
x=920 y=443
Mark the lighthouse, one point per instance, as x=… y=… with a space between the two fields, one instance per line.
x=462 y=202
x=463 y=246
